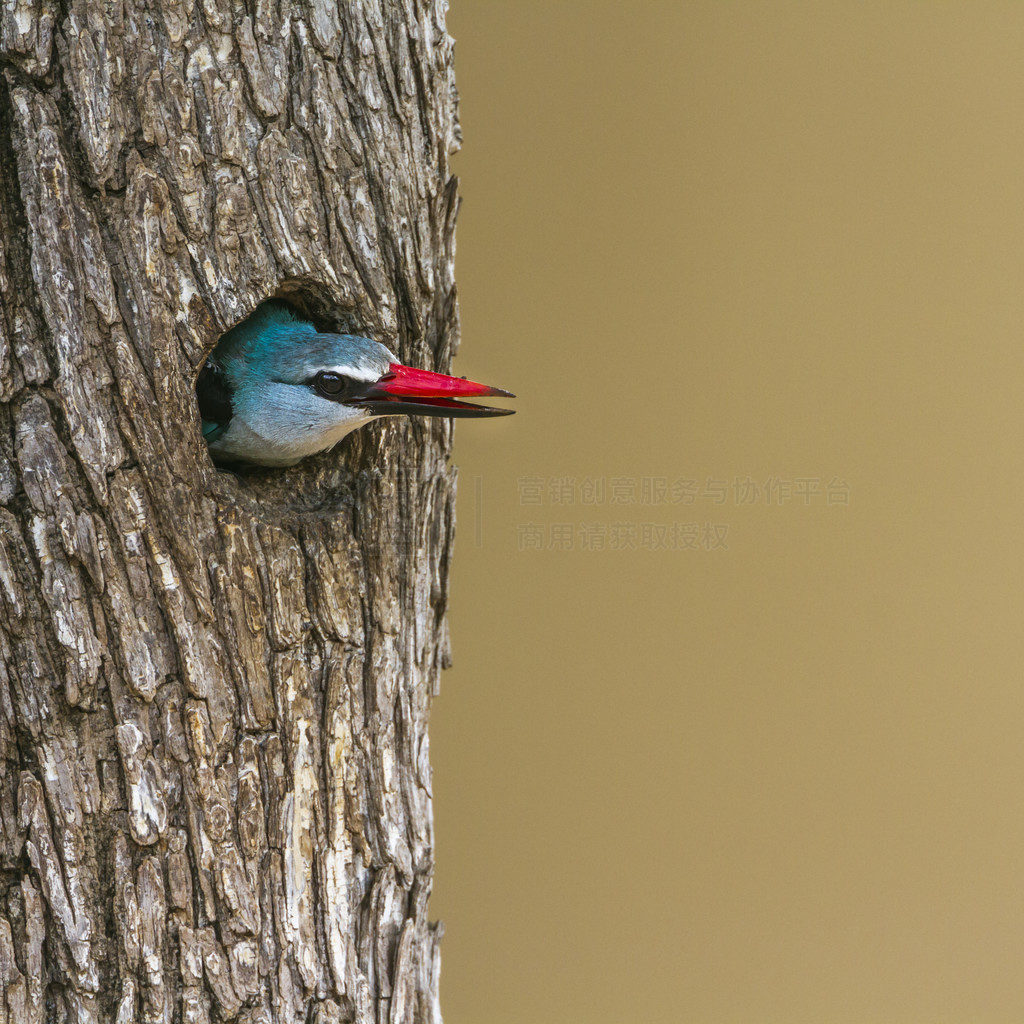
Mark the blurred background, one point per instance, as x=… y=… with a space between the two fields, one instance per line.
x=735 y=731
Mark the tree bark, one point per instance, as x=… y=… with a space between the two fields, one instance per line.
x=214 y=688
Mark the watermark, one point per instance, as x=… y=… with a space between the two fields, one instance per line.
x=668 y=491
x=622 y=536
x=642 y=513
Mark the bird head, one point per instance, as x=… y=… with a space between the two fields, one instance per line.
x=275 y=389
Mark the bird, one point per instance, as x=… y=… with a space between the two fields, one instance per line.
x=275 y=389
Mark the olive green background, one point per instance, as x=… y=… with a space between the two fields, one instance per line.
x=760 y=756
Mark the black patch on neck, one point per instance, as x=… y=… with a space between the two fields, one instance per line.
x=213 y=395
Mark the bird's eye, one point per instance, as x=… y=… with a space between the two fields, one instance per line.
x=328 y=383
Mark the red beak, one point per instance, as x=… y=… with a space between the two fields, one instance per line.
x=404 y=389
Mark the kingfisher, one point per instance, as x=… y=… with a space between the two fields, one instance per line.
x=275 y=389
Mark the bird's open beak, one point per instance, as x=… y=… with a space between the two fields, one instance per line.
x=404 y=389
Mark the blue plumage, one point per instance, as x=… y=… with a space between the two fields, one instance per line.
x=275 y=390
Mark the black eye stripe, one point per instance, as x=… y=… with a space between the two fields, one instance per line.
x=333 y=385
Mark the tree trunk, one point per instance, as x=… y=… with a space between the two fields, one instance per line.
x=215 y=688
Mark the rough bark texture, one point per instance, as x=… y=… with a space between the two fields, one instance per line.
x=214 y=690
